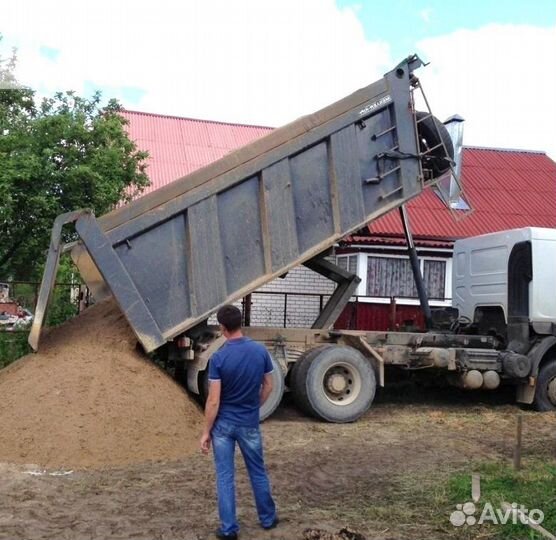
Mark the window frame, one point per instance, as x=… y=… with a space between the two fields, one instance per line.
x=362 y=266
x=361 y=289
x=413 y=301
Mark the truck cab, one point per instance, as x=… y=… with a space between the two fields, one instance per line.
x=503 y=284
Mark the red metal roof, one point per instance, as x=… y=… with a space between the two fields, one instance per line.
x=506 y=188
x=178 y=146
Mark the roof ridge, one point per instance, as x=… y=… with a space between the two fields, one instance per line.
x=496 y=149
x=240 y=124
x=160 y=115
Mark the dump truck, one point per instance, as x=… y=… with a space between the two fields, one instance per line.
x=170 y=259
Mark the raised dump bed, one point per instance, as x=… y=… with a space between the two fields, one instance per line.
x=172 y=257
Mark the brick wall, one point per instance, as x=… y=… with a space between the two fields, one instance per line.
x=301 y=309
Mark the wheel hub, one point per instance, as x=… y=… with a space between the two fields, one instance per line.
x=337 y=383
x=342 y=383
x=552 y=391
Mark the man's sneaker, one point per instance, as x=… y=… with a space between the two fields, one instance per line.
x=272 y=525
x=221 y=536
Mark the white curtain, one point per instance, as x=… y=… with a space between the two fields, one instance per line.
x=392 y=276
x=389 y=276
x=434 y=275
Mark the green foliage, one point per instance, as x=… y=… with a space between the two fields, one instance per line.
x=25 y=294
x=63 y=305
x=533 y=487
x=13 y=345
x=57 y=155
x=7 y=69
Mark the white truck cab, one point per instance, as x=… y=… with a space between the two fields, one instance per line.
x=504 y=284
x=481 y=275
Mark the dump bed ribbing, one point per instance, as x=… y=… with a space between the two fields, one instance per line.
x=172 y=257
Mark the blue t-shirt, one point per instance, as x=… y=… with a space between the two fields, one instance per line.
x=240 y=365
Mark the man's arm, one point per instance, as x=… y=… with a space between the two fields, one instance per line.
x=266 y=388
x=211 y=411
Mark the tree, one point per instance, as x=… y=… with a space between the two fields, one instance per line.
x=7 y=68
x=56 y=155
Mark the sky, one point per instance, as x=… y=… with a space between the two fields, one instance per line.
x=267 y=62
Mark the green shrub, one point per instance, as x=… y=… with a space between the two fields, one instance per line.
x=13 y=345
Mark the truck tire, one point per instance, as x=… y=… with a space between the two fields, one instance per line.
x=545 y=393
x=203 y=385
x=272 y=402
x=429 y=138
x=336 y=384
x=297 y=379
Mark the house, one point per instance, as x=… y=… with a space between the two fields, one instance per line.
x=505 y=188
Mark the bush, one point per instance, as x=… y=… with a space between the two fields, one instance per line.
x=61 y=307
x=13 y=345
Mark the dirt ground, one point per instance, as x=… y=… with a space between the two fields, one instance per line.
x=372 y=475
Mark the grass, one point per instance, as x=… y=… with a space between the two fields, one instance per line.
x=419 y=505
x=534 y=487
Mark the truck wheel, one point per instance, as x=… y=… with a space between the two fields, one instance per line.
x=337 y=384
x=429 y=138
x=545 y=393
x=272 y=402
x=203 y=385
x=297 y=379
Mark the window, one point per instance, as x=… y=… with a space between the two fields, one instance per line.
x=392 y=276
x=434 y=276
x=348 y=263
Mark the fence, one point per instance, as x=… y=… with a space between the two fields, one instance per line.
x=269 y=308
x=300 y=309
x=64 y=304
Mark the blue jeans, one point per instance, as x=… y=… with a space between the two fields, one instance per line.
x=224 y=438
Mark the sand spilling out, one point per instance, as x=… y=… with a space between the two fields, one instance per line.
x=88 y=398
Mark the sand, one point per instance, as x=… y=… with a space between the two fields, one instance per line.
x=90 y=399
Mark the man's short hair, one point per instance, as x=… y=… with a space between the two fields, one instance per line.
x=229 y=317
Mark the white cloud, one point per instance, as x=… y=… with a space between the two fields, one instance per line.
x=501 y=79
x=247 y=60
x=426 y=14
x=268 y=62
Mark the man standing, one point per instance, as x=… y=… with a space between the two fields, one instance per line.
x=239 y=383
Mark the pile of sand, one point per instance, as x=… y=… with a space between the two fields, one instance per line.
x=90 y=399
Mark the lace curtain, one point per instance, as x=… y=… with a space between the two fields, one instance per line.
x=392 y=276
